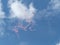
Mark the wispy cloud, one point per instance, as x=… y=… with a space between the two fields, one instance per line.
x=2 y=14
x=2 y=23
x=21 y=11
x=55 y=4
x=24 y=43
x=52 y=9
x=2 y=27
x=58 y=43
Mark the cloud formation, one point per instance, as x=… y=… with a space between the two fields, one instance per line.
x=2 y=23
x=19 y=10
x=52 y=9
x=55 y=4
x=2 y=14
x=24 y=43
x=58 y=43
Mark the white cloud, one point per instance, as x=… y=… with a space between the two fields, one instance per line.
x=23 y=43
x=2 y=23
x=19 y=10
x=52 y=9
x=2 y=27
x=2 y=14
x=55 y=4
x=58 y=43
x=1 y=32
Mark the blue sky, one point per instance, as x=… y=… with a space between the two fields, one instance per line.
x=45 y=26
